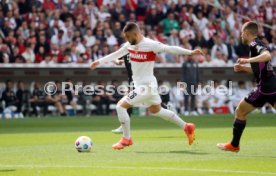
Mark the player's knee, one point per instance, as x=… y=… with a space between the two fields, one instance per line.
x=155 y=113
x=154 y=110
x=119 y=108
x=239 y=113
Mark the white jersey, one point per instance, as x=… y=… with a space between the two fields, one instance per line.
x=142 y=57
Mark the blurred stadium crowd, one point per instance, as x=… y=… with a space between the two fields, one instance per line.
x=31 y=100
x=81 y=31
x=49 y=32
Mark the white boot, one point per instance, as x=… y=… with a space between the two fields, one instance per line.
x=199 y=110
x=194 y=113
x=273 y=110
x=263 y=110
x=210 y=111
x=186 y=113
x=118 y=130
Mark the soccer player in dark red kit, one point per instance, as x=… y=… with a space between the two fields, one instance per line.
x=265 y=92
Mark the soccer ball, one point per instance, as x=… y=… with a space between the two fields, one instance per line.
x=84 y=144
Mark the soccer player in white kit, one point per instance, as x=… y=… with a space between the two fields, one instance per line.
x=143 y=52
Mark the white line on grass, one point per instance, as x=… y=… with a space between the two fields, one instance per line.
x=139 y=168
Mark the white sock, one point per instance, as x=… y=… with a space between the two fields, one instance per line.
x=210 y=111
x=170 y=116
x=124 y=120
x=263 y=109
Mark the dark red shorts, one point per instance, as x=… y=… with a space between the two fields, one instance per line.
x=259 y=99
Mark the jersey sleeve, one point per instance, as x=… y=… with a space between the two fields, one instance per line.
x=259 y=47
x=159 y=47
x=115 y=55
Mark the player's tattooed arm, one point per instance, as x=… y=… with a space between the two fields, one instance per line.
x=177 y=50
x=94 y=64
x=197 y=52
x=242 y=68
x=263 y=57
x=111 y=57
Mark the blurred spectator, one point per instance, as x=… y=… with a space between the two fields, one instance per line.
x=199 y=40
x=203 y=100
x=48 y=5
x=231 y=46
x=59 y=39
x=110 y=38
x=219 y=48
x=9 y=97
x=116 y=96
x=39 y=57
x=273 y=55
x=90 y=38
x=220 y=59
x=102 y=14
x=99 y=99
x=47 y=60
x=29 y=54
x=239 y=93
x=177 y=97
x=55 y=99
x=186 y=31
x=42 y=43
x=190 y=75
x=200 y=20
x=173 y=38
x=24 y=30
x=38 y=100
x=69 y=98
x=22 y=98
x=218 y=99
x=131 y=5
x=59 y=26
x=153 y=18
x=83 y=98
x=4 y=56
x=207 y=61
x=209 y=31
x=169 y=24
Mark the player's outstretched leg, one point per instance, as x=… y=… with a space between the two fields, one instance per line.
x=189 y=128
x=239 y=124
x=124 y=119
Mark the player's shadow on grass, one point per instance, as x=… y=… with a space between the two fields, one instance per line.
x=164 y=137
x=175 y=152
x=7 y=170
x=189 y=152
x=257 y=156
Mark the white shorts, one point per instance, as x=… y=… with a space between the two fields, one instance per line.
x=145 y=96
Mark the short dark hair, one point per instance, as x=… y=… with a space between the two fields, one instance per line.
x=130 y=26
x=252 y=27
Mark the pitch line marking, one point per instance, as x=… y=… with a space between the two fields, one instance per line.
x=137 y=168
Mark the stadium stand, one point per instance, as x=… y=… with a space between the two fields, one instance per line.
x=56 y=34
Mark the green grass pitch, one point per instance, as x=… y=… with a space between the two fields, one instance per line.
x=45 y=147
